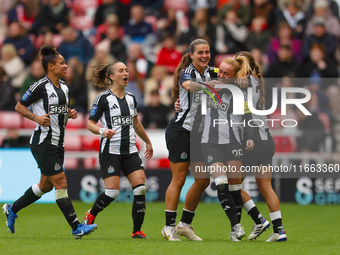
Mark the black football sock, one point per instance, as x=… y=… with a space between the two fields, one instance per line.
x=66 y=207
x=170 y=218
x=101 y=203
x=236 y=195
x=26 y=199
x=277 y=221
x=138 y=212
x=187 y=216
x=227 y=203
x=253 y=212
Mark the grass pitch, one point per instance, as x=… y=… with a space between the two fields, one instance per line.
x=42 y=229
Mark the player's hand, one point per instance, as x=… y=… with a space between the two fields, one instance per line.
x=177 y=105
x=72 y=113
x=250 y=145
x=108 y=133
x=43 y=120
x=242 y=82
x=149 y=151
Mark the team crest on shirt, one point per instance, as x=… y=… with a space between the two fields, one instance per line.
x=57 y=167
x=184 y=155
x=131 y=106
x=110 y=170
x=27 y=95
x=209 y=159
x=94 y=110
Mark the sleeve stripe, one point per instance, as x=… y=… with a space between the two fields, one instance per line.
x=96 y=101
x=36 y=84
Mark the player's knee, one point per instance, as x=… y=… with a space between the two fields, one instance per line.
x=113 y=193
x=139 y=190
x=60 y=194
x=221 y=181
x=203 y=183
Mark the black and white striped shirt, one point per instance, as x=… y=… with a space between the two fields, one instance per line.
x=262 y=132
x=46 y=98
x=189 y=116
x=117 y=114
x=221 y=126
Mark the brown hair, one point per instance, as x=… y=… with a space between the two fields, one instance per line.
x=255 y=72
x=100 y=75
x=185 y=62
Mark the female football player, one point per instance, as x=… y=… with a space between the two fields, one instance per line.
x=49 y=100
x=117 y=111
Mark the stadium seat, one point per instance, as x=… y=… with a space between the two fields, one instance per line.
x=176 y=4
x=10 y=119
x=90 y=142
x=76 y=123
x=72 y=143
x=71 y=163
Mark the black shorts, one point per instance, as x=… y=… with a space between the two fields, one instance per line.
x=112 y=164
x=223 y=153
x=179 y=146
x=50 y=158
x=262 y=154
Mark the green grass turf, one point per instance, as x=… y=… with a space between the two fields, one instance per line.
x=41 y=229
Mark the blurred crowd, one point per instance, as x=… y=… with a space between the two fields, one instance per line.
x=289 y=39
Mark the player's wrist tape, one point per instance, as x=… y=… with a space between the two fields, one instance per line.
x=101 y=131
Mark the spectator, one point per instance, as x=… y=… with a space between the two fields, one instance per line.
x=310 y=126
x=77 y=85
x=37 y=72
x=209 y=5
x=260 y=59
x=242 y=9
x=24 y=11
x=284 y=66
x=284 y=37
x=320 y=36
x=155 y=115
x=111 y=7
x=151 y=7
x=13 y=65
x=318 y=66
x=111 y=20
x=168 y=56
x=321 y=10
x=139 y=31
x=135 y=86
x=200 y=27
x=231 y=35
x=259 y=36
x=136 y=56
x=53 y=16
x=7 y=100
x=14 y=140
x=265 y=9
x=161 y=81
x=113 y=43
x=101 y=57
x=294 y=16
x=169 y=26
x=24 y=46
x=75 y=45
